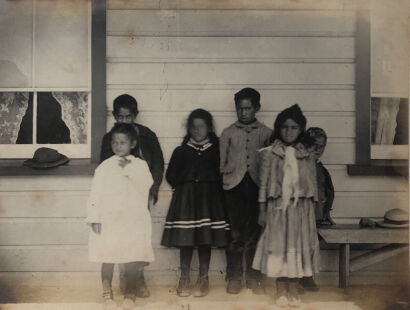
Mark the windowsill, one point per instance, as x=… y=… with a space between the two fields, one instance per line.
x=378 y=170
x=73 y=167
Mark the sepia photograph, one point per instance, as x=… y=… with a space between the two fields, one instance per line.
x=204 y=154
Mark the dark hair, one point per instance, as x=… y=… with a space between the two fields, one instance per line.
x=207 y=117
x=295 y=113
x=316 y=132
x=127 y=129
x=250 y=94
x=126 y=102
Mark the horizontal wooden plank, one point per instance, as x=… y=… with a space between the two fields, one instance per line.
x=172 y=124
x=345 y=183
x=338 y=151
x=342 y=181
x=71 y=204
x=74 y=258
x=222 y=49
x=74 y=231
x=232 y=4
x=219 y=100
x=43 y=232
x=367 y=204
x=52 y=231
x=354 y=234
x=240 y=73
x=43 y=204
x=230 y=22
x=43 y=183
x=347 y=205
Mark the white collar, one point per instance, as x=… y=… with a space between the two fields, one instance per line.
x=129 y=157
x=201 y=147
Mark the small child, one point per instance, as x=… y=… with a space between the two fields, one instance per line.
x=125 y=110
x=196 y=216
x=288 y=248
x=326 y=192
x=239 y=168
x=118 y=214
x=325 y=189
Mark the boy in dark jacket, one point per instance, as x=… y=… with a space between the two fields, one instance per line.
x=126 y=111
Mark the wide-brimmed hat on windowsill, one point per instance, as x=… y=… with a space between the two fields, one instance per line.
x=45 y=157
x=394 y=218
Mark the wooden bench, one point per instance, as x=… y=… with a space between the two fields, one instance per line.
x=395 y=240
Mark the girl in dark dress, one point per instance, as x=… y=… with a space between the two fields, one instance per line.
x=196 y=216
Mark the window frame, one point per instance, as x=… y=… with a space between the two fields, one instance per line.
x=364 y=165
x=14 y=167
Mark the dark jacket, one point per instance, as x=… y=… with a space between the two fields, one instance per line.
x=151 y=153
x=190 y=163
x=326 y=192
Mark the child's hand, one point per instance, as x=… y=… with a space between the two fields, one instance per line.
x=329 y=219
x=123 y=162
x=262 y=214
x=227 y=169
x=96 y=227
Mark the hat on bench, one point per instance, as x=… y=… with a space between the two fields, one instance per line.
x=395 y=218
x=45 y=157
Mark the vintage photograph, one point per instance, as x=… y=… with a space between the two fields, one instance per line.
x=204 y=154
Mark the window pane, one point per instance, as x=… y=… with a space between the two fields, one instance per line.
x=389 y=119
x=16 y=33
x=16 y=118
x=62 y=117
x=61 y=43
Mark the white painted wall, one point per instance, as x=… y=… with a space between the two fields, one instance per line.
x=174 y=56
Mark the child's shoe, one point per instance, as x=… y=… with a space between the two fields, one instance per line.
x=129 y=302
x=142 y=290
x=234 y=286
x=293 y=298
x=184 y=287
x=309 y=284
x=256 y=286
x=108 y=302
x=281 y=294
x=201 y=287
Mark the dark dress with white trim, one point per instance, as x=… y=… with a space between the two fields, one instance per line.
x=196 y=215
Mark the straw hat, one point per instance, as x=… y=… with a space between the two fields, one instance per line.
x=395 y=218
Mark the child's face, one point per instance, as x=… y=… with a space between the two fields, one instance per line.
x=290 y=131
x=199 y=130
x=125 y=116
x=245 y=111
x=121 y=144
x=319 y=147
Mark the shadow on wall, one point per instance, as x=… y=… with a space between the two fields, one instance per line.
x=7 y=295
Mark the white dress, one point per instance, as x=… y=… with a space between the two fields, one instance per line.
x=119 y=201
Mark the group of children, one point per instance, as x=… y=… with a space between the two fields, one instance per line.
x=257 y=193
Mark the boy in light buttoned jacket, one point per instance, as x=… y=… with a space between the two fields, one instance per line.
x=238 y=151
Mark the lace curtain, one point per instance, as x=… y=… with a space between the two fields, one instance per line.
x=13 y=106
x=385 y=120
x=74 y=108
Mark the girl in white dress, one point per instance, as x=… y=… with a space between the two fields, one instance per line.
x=118 y=215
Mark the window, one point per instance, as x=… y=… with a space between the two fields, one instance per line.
x=389 y=128
x=45 y=97
x=52 y=94
x=381 y=49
